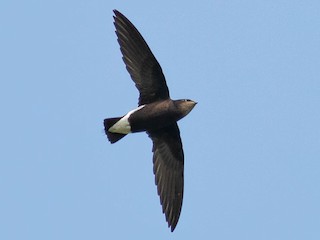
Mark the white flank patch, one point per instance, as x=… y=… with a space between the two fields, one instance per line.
x=123 y=125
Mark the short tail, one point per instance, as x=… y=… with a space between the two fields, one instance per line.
x=113 y=137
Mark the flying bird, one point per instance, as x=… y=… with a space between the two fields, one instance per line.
x=157 y=114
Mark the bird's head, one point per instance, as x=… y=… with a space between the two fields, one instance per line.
x=185 y=106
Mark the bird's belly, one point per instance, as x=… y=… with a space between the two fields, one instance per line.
x=151 y=122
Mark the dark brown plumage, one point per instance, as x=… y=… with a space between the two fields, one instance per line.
x=143 y=67
x=157 y=114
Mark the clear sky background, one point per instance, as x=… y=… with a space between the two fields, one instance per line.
x=252 y=144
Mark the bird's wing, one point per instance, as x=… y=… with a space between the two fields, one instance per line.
x=143 y=67
x=168 y=162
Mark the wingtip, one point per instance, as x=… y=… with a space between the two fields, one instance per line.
x=172 y=225
x=117 y=13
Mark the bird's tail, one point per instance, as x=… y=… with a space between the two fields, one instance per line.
x=108 y=123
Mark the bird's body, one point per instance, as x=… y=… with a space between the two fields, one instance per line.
x=151 y=116
x=156 y=114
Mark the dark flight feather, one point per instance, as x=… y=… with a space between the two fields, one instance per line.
x=140 y=62
x=168 y=157
x=168 y=164
x=108 y=123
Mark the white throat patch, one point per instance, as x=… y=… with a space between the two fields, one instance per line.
x=123 y=125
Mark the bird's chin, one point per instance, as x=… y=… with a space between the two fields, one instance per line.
x=189 y=106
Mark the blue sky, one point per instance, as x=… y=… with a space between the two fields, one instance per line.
x=252 y=168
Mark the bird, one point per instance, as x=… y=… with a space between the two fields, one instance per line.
x=157 y=115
